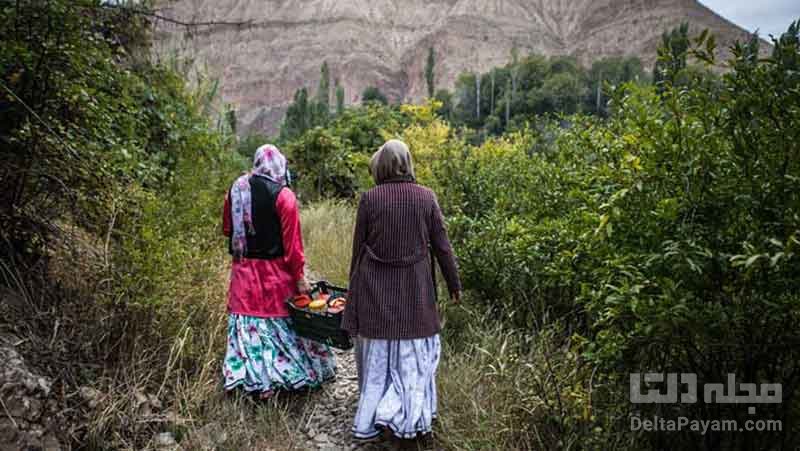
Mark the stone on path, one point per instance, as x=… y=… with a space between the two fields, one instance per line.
x=332 y=417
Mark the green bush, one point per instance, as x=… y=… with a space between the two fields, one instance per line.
x=667 y=237
x=332 y=161
x=111 y=169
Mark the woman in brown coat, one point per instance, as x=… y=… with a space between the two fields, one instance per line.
x=392 y=308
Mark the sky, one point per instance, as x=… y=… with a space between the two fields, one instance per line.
x=767 y=16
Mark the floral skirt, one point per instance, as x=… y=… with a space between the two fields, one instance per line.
x=264 y=355
x=397 y=380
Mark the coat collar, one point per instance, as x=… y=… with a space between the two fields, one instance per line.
x=399 y=179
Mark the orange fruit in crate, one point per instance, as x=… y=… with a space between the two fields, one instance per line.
x=301 y=301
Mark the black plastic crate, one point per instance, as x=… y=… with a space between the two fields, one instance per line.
x=322 y=327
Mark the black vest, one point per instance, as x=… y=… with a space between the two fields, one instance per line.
x=267 y=243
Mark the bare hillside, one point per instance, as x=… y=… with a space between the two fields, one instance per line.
x=266 y=49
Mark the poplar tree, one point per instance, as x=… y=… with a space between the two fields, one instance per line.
x=339 y=97
x=430 y=75
x=323 y=106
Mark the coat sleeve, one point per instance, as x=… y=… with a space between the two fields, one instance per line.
x=359 y=234
x=350 y=317
x=442 y=249
x=289 y=214
x=227 y=226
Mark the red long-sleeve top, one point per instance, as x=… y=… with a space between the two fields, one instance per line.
x=260 y=287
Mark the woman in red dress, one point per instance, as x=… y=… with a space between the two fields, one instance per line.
x=262 y=220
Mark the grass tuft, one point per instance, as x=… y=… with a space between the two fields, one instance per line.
x=328 y=237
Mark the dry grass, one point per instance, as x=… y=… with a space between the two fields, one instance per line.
x=172 y=382
x=328 y=237
x=498 y=390
x=125 y=373
x=175 y=385
x=504 y=390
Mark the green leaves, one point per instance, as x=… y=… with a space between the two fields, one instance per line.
x=107 y=137
x=668 y=234
x=331 y=160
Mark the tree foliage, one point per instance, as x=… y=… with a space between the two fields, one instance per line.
x=331 y=160
x=112 y=175
x=665 y=238
x=672 y=54
x=373 y=95
x=324 y=94
x=430 y=72
x=517 y=93
x=339 y=98
x=83 y=118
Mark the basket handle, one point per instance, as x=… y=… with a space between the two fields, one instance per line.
x=323 y=285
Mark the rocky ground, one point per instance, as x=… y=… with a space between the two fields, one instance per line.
x=328 y=428
x=330 y=412
x=27 y=408
x=26 y=419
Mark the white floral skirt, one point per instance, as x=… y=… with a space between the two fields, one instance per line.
x=265 y=355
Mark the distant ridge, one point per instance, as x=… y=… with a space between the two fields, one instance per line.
x=385 y=42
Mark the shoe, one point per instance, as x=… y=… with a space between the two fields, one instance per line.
x=375 y=438
x=426 y=442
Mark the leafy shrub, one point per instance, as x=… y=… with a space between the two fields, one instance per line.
x=113 y=157
x=666 y=237
x=332 y=161
x=374 y=95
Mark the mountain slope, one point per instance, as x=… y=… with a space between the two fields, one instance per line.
x=384 y=42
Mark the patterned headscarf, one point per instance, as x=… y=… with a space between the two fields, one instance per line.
x=269 y=163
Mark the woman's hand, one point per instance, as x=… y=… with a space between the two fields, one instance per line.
x=303 y=286
x=456 y=297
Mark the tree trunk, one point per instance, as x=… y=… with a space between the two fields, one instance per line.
x=492 y=102
x=508 y=104
x=478 y=95
x=599 y=83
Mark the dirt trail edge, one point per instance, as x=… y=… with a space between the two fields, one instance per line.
x=332 y=412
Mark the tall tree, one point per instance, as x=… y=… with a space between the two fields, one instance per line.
x=230 y=116
x=464 y=100
x=599 y=91
x=373 y=94
x=430 y=74
x=491 y=107
x=612 y=71
x=446 y=111
x=339 y=97
x=508 y=101
x=298 y=117
x=514 y=71
x=478 y=96
x=324 y=92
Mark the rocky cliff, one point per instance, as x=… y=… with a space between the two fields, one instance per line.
x=264 y=50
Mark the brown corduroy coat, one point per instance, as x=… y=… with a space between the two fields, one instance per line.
x=391 y=279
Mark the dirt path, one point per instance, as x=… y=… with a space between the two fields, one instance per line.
x=333 y=410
